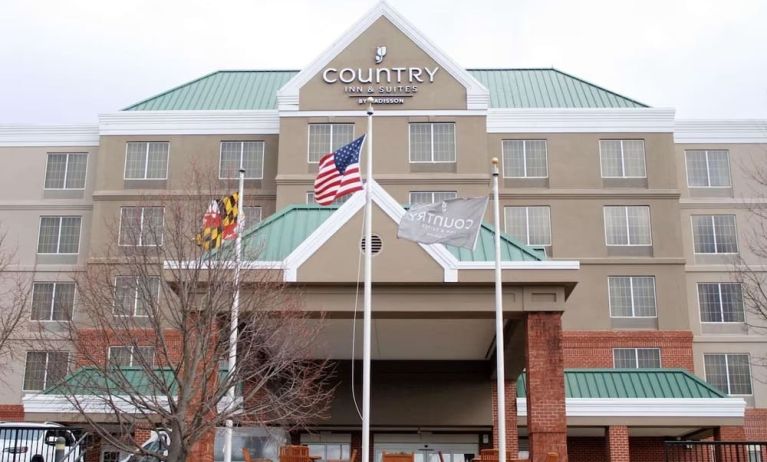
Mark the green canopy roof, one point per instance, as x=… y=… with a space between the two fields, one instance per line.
x=632 y=383
x=93 y=380
x=509 y=88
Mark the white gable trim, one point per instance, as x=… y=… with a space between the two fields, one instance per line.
x=49 y=135
x=720 y=131
x=477 y=96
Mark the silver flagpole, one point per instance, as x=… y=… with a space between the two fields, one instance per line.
x=235 y=317
x=499 y=343
x=367 y=309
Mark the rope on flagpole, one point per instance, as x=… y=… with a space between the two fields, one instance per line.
x=367 y=307
x=499 y=343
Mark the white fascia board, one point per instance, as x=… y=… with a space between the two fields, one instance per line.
x=477 y=96
x=522 y=265
x=261 y=122
x=388 y=113
x=745 y=131
x=48 y=135
x=586 y=120
x=648 y=407
x=85 y=403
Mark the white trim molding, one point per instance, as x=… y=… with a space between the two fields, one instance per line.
x=42 y=403
x=713 y=131
x=260 y=122
x=586 y=120
x=648 y=407
x=477 y=96
x=48 y=135
x=388 y=113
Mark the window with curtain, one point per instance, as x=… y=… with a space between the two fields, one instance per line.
x=530 y=225
x=249 y=154
x=432 y=142
x=525 y=159
x=146 y=160
x=627 y=225
x=708 y=169
x=53 y=301
x=714 y=234
x=431 y=197
x=326 y=138
x=731 y=373
x=622 y=158
x=131 y=355
x=66 y=170
x=720 y=302
x=59 y=235
x=632 y=296
x=44 y=369
x=636 y=358
x=134 y=296
x=141 y=226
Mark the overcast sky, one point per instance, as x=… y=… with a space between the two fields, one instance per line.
x=67 y=61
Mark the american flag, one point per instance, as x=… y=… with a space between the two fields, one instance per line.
x=339 y=173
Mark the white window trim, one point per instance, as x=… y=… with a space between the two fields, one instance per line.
x=146 y=162
x=431 y=134
x=132 y=352
x=708 y=170
x=330 y=146
x=713 y=230
x=260 y=213
x=53 y=301
x=45 y=376
x=727 y=370
x=527 y=222
x=626 y=218
x=721 y=304
x=623 y=158
x=410 y=195
x=66 y=170
x=636 y=356
x=242 y=152
x=141 y=227
x=58 y=241
x=631 y=288
x=135 y=298
x=524 y=158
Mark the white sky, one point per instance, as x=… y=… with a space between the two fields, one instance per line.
x=67 y=61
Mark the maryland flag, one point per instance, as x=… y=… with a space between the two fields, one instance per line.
x=218 y=223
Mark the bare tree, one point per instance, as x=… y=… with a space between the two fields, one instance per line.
x=151 y=335
x=15 y=290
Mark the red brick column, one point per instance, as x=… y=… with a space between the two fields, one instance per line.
x=730 y=453
x=546 y=420
x=93 y=452
x=12 y=412
x=618 y=443
x=512 y=434
x=202 y=451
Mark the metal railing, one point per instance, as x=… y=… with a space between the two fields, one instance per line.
x=715 y=451
x=37 y=443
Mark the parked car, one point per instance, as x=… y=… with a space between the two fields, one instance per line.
x=23 y=441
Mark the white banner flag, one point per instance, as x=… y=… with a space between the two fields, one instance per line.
x=455 y=222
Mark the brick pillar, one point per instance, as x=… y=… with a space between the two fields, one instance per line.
x=202 y=450
x=93 y=451
x=12 y=412
x=512 y=435
x=617 y=443
x=730 y=453
x=546 y=420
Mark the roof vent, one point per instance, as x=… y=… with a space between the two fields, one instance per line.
x=376 y=244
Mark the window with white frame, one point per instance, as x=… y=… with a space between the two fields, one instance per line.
x=252 y=215
x=730 y=373
x=432 y=142
x=134 y=296
x=708 y=169
x=248 y=154
x=146 y=160
x=720 y=302
x=431 y=197
x=141 y=226
x=627 y=225
x=714 y=234
x=59 y=235
x=66 y=170
x=622 y=158
x=530 y=225
x=326 y=138
x=131 y=356
x=52 y=301
x=310 y=199
x=45 y=369
x=632 y=296
x=525 y=159
x=636 y=358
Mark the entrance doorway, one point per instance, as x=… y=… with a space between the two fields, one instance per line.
x=427 y=447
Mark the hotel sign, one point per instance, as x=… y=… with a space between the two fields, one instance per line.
x=387 y=85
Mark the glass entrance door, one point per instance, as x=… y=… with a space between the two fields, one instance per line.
x=429 y=449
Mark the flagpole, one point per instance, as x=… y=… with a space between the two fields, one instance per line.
x=499 y=343
x=235 y=317
x=367 y=309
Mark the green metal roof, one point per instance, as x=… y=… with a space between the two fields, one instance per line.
x=511 y=249
x=509 y=88
x=92 y=380
x=632 y=383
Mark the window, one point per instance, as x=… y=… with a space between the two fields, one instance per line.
x=44 y=369
x=252 y=215
x=636 y=358
x=59 y=235
x=720 y=302
x=146 y=160
x=141 y=226
x=52 y=301
x=731 y=373
x=329 y=451
x=431 y=197
x=530 y=225
x=110 y=456
x=310 y=199
x=135 y=295
x=627 y=225
x=131 y=355
x=432 y=142
x=525 y=159
x=249 y=154
x=632 y=296
x=326 y=138
x=714 y=234
x=622 y=158
x=708 y=169
x=65 y=171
